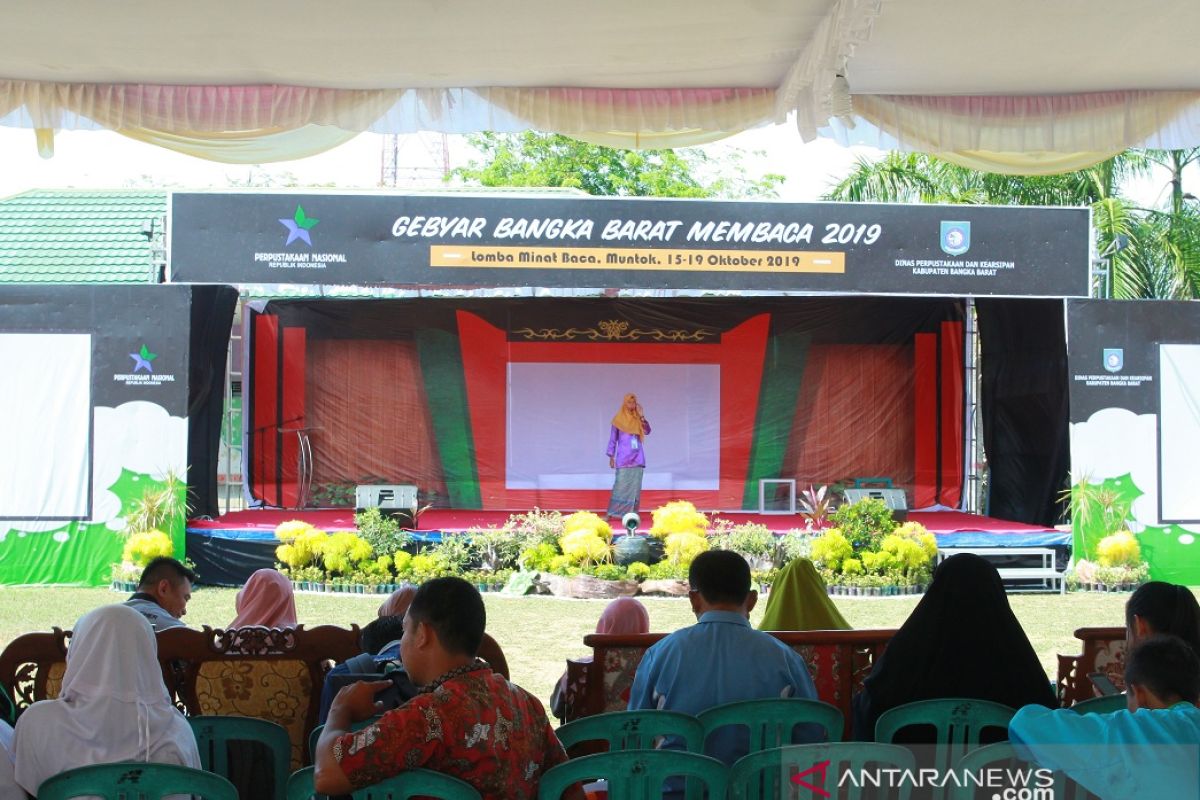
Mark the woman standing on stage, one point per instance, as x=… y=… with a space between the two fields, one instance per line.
x=627 y=456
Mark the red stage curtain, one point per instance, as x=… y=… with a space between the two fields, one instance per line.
x=367 y=400
x=854 y=415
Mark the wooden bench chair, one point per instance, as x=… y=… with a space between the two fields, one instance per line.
x=32 y=667
x=1103 y=651
x=264 y=673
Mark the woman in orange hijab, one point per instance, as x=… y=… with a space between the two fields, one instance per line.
x=627 y=456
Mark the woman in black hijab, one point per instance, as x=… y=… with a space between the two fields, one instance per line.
x=962 y=640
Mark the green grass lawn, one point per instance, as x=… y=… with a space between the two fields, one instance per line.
x=538 y=634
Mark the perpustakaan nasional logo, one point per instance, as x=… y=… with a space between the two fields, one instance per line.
x=299 y=229
x=143 y=373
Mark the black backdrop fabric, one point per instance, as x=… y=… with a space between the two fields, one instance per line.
x=212 y=318
x=1024 y=402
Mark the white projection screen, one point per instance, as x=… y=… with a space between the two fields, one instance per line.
x=1179 y=432
x=46 y=435
x=559 y=417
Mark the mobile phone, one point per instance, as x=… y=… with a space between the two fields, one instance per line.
x=1102 y=682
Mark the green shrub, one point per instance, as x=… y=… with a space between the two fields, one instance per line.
x=865 y=523
x=495 y=548
x=380 y=531
x=609 y=572
x=538 y=557
x=638 y=571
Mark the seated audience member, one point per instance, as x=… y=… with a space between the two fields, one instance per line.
x=8 y=783
x=962 y=640
x=1151 y=750
x=799 y=602
x=112 y=707
x=468 y=721
x=163 y=593
x=267 y=600
x=398 y=601
x=622 y=616
x=380 y=644
x=379 y=641
x=720 y=659
x=1158 y=607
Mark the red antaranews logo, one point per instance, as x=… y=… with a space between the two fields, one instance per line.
x=819 y=768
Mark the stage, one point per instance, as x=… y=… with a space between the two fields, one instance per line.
x=230 y=547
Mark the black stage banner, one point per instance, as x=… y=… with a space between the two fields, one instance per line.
x=472 y=241
x=1115 y=352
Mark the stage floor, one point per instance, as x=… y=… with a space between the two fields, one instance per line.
x=952 y=528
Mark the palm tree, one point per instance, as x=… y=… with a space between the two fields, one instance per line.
x=1160 y=253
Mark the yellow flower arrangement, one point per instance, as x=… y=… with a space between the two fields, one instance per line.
x=678 y=516
x=589 y=522
x=682 y=548
x=344 y=551
x=585 y=546
x=918 y=533
x=143 y=546
x=286 y=531
x=303 y=547
x=1120 y=549
x=830 y=549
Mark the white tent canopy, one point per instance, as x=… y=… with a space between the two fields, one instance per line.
x=1036 y=84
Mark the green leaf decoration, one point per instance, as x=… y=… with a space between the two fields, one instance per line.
x=303 y=220
x=146 y=354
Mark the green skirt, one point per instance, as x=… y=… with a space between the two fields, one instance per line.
x=627 y=491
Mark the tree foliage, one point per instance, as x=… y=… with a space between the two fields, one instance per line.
x=533 y=159
x=1155 y=253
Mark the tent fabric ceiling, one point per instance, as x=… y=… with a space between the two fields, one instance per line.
x=1024 y=76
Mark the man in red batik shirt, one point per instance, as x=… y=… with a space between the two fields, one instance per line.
x=467 y=721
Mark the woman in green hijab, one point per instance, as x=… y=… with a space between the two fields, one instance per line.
x=799 y=602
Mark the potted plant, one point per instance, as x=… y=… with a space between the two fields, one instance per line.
x=1118 y=566
x=815 y=505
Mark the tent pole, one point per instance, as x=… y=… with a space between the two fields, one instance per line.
x=971 y=460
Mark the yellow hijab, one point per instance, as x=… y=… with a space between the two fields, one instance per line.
x=629 y=421
x=798 y=602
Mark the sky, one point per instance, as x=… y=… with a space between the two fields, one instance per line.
x=106 y=160
x=101 y=159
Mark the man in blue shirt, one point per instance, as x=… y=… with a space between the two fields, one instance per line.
x=1151 y=750
x=720 y=659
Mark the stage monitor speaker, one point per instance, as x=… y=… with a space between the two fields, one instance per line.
x=386 y=497
x=893 y=498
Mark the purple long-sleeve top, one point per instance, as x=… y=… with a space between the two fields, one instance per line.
x=626 y=448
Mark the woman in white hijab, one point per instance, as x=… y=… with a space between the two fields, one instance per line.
x=113 y=705
x=8 y=784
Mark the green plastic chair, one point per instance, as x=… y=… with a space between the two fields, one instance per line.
x=772 y=722
x=638 y=774
x=634 y=730
x=1004 y=756
x=1101 y=705
x=216 y=735
x=410 y=783
x=770 y=774
x=958 y=722
x=136 y=781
